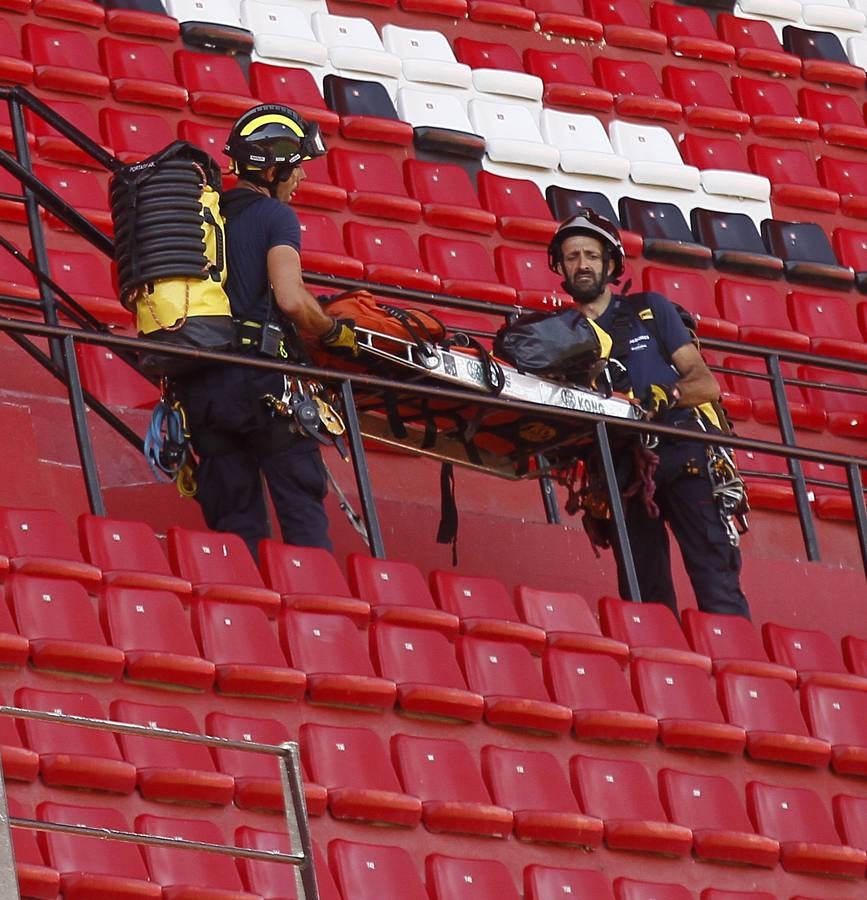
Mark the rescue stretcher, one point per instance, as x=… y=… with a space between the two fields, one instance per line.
x=509 y=444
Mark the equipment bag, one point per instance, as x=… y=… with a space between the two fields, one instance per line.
x=170 y=253
x=566 y=345
x=406 y=324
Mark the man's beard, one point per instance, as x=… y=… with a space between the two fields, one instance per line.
x=588 y=290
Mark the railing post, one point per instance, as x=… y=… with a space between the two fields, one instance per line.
x=82 y=432
x=787 y=431
x=549 y=498
x=622 y=547
x=34 y=223
x=856 y=490
x=8 y=874
x=297 y=822
x=362 y=473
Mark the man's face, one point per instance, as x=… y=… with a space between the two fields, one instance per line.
x=583 y=268
x=285 y=189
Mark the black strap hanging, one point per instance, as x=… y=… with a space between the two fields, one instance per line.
x=447 y=532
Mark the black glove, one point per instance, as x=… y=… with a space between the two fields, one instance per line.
x=659 y=399
x=341 y=336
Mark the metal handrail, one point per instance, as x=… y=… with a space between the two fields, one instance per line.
x=295 y=805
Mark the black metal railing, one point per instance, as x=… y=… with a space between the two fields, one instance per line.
x=61 y=361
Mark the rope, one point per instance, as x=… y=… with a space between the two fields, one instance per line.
x=165 y=445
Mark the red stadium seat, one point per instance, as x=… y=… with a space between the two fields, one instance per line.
x=16 y=280
x=257 y=778
x=389 y=256
x=241 y=643
x=650 y=630
x=449 y=878
x=509 y=13
x=632 y=889
x=691 y=33
x=847 y=412
x=506 y=675
x=757 y=45
x=14 y=647
x=824 y=59
x=546 y=881
x=521 y=211
x=831 y=323
x=41 y=542
x=851 y=249
x=464 y=269
x=445 y=776
x=13 y=66
x=69 y=11
x=594 y=688
x=112 y=380
x=50 y=144
x=848 y=177
x=353 y=765
x=86 y=277
x=216 y=84
x=733 y=644
x=855 y=654
x=89 y=866
x=59 y=619
x=134 y=134
x=839 y=716
x=397 y=593
x=528 y=272
x=296 y=86
x=567 y=622
x=797 y=818
x=329 y=649
x=318 y=189
x=141 y=23
x=484 y=608
x=681 y=698
x=793 y=178
x=84 y=191
x=711 y=807
x=190 y=873
x=35 y=879
x=370 y=871
x=141 y=73
x=373 y=185
x=63 y=60
x=705 y=99
x=272 y=880
x=850 y=816
x=168 y=770
x=152 y=630
x=322 y=247
x=128 y=553
x=621 y=793
x=806 y=252
x=422 y=664
x=560 y=17
x=309 y=578
x=813 y=654
x=760 y=313
x=767 y=710
x=773 y=109
x=626 y=24
x=568 y=80
x=19 y=762
x=693 y=292
x=219 y=567
x=838 y=115
x=636 y=89
x=447 y=196
x=534 y=786
x=72 y=756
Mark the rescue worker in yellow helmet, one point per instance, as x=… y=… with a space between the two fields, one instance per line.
x=236 y=435
x=664 y=369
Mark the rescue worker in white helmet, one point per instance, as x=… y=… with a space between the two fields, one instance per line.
x=665 y=371
x=236 y=435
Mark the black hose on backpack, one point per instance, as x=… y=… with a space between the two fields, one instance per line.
x=157 y=213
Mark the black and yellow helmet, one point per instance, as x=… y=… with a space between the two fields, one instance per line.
x=272 y=135
x=588 y=221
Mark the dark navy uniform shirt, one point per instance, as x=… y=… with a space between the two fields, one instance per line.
x=250 y=234
x=647 y=363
